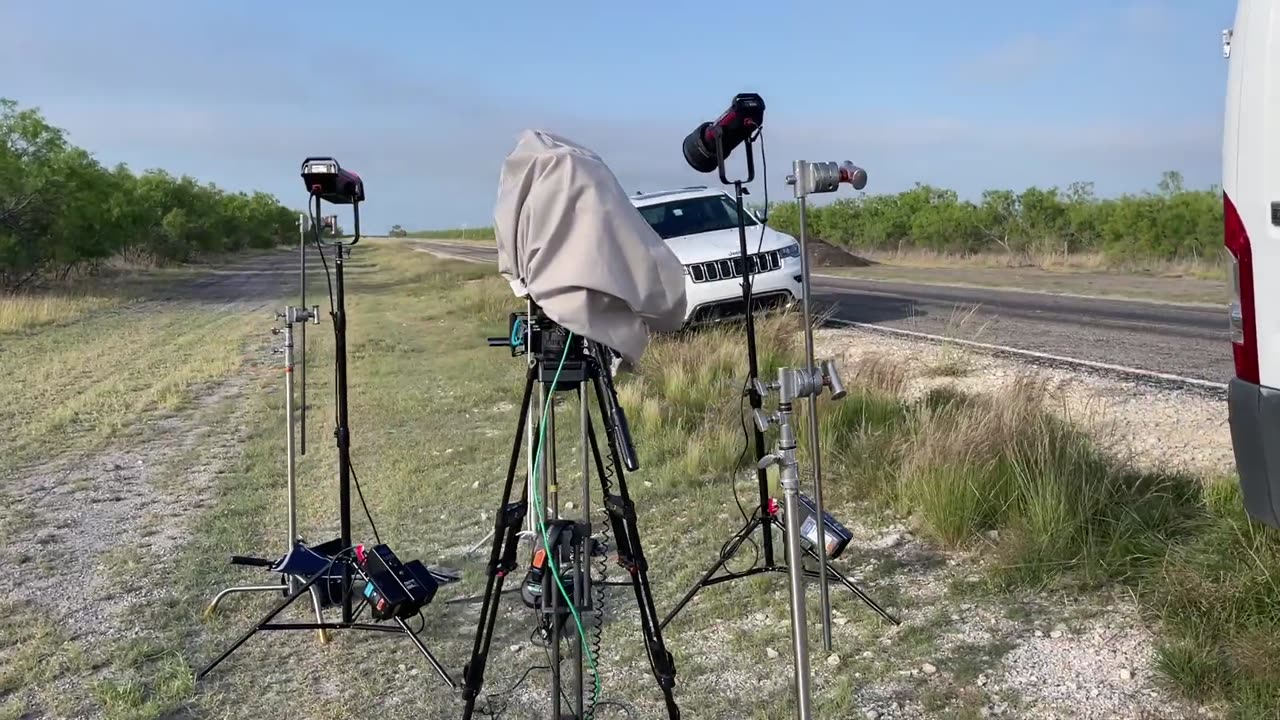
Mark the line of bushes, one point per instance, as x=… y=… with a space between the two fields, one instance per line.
x=1172 y=224
x=62 y=211
x=479 y=233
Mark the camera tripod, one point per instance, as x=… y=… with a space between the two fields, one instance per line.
x=567 y=363
x=765 y=518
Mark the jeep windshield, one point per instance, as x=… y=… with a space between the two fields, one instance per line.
x=690 y=216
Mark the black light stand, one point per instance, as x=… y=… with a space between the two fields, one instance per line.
x=342 y=429
x=319 y=563
x=765 y=516
x=567 y=363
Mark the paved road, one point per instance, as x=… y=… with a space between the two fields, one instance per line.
x=1185 y=340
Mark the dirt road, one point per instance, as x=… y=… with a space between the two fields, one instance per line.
x=116 y=432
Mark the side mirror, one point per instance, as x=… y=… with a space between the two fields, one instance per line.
x=762 y=215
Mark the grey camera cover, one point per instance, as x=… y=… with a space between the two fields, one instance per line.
x=570 y=239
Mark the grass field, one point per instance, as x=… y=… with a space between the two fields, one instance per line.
x=163 y=415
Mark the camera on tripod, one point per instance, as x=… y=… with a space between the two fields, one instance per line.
x=546 y=340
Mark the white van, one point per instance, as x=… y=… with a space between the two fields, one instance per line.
x=1251 y=203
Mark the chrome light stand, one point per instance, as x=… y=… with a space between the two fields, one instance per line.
x=807 y=178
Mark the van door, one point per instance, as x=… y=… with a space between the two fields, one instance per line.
x=1251 y=225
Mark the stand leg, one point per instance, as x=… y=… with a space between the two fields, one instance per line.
x=266 y=619
x=471 y=550
x=502 y=560
x=622 y=516
x=316 y=606
x=734 y=543
x=861 y=594
x=444 y=674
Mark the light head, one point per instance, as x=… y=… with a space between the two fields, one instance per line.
x=744 y=116
x=325 y=178
x=852 y=174
x=824 y=177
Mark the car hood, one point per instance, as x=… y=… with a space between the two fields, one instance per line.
x=720 y=244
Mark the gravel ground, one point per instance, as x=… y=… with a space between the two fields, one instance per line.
x=1154 y=427
x=89 y=509
x=1089 y=660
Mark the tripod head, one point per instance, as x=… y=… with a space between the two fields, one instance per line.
x=556 y=351
x=568 y=360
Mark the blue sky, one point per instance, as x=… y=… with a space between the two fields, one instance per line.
x=424 y=99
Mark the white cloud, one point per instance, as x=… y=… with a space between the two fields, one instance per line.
x=1014 y=58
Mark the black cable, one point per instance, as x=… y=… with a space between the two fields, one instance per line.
x=597 y=633
x=333 y=311
x=320 y=248
x=506 y=694
x=742 y=397
x=360 y=494
x=764 y=170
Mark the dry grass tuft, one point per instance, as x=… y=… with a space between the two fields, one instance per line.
x=24 y=312
x=1205 y=268
x=880 y=373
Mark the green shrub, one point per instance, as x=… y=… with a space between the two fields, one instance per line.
x=1173 y=224
x=74 y=212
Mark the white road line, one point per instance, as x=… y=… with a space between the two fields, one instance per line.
x=450 y=256
x=1138 y=372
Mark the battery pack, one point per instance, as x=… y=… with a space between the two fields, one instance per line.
x=836 y=535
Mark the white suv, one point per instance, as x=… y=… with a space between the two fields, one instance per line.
x=701 y=227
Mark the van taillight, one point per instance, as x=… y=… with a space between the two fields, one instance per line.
x=1244 y=334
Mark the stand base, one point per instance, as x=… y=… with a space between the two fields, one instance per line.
x=320 y=625
x=710 y=578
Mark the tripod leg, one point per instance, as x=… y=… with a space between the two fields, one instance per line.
x=622 y=517
x=266 y=619
x=502 y=560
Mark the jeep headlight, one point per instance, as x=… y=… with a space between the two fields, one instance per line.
x=790 y=251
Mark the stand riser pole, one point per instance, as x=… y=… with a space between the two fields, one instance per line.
x=799 y=621
x=342 y=432
x=789 y=479
x=291 y=462
x=302 y=348
x=815 y=449
x=753 y=365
